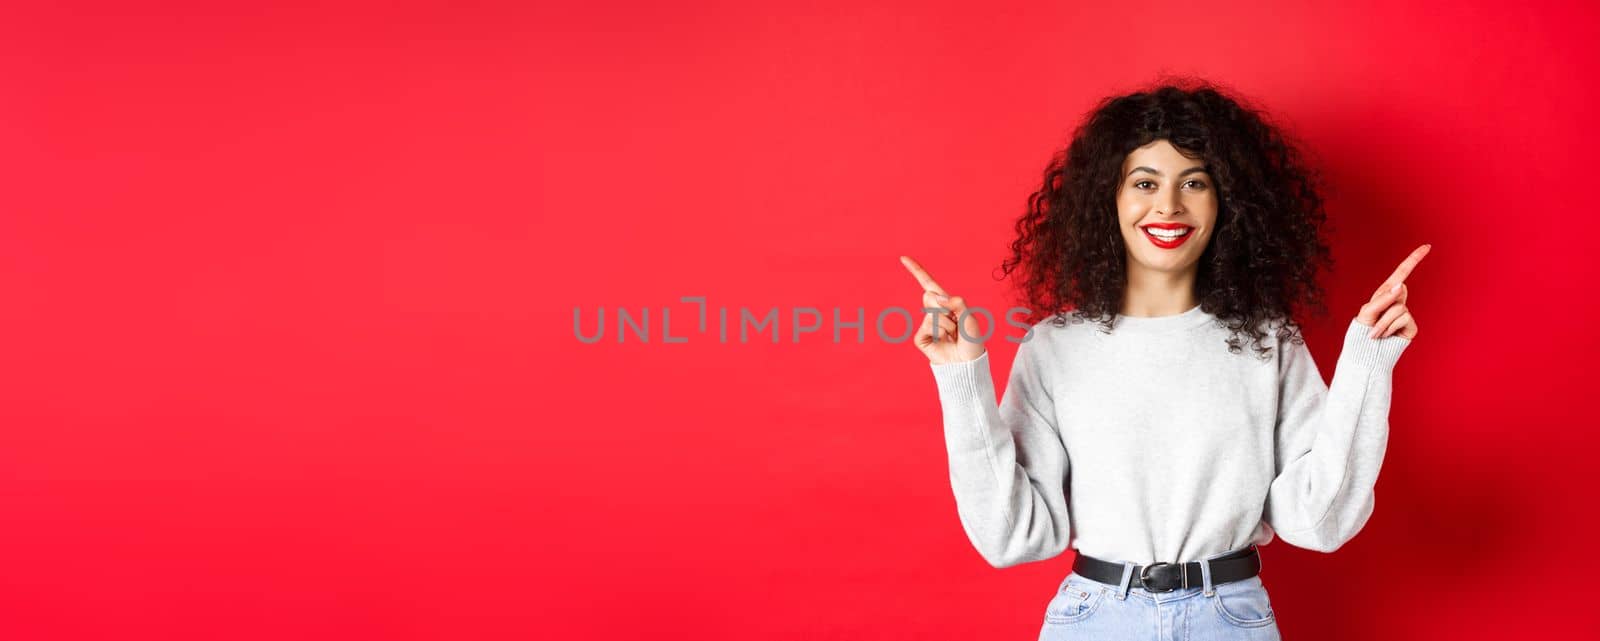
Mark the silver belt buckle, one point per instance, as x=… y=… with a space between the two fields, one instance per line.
x=1144 y=576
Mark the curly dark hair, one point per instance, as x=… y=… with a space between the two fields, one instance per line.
x=1261 y=265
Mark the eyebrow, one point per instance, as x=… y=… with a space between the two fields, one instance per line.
x=1180 y=174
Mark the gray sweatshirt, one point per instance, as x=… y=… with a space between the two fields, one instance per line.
x=1154 y=443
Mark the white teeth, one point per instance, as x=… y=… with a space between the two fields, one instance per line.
x=1167 y=234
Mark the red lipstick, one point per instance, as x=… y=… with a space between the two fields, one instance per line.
x=1165 y=243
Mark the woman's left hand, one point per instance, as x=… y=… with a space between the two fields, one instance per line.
x=1386 y=313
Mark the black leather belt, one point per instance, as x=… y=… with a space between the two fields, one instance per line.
x=1166 y=577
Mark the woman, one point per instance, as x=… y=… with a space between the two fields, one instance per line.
x=1188 y=423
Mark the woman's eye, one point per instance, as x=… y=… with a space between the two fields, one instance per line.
x=1147 y=184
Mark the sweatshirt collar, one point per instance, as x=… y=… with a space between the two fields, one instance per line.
x=1195 y=317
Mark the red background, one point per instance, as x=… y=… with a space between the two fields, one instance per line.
x=289 y=292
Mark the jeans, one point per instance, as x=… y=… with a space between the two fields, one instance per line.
x=1090 y=610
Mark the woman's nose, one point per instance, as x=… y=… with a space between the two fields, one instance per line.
x=1171 y=204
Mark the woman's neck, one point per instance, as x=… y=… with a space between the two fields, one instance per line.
x=1157 y=293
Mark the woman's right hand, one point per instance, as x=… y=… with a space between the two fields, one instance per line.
x=949 y=346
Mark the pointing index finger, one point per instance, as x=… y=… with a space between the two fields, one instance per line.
x=922 y=275
x=1404 y=270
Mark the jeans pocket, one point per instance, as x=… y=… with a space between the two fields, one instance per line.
x=1076 y=600
x=1244 y=603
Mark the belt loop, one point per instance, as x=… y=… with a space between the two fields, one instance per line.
x=1127 y=577
x=1205 y=574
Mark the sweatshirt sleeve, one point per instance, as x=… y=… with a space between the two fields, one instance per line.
x=1330 y=441
x=1008 y=467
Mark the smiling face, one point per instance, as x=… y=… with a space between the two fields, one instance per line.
x=1164 y=193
